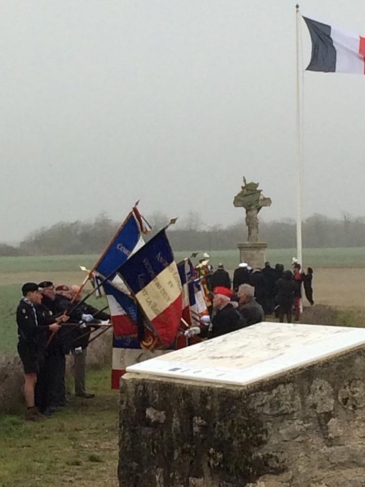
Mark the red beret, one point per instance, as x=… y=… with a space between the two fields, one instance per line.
x=223 y=290
x=62 y=287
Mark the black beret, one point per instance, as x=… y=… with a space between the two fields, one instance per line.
x=29 y=287
x=45 y=284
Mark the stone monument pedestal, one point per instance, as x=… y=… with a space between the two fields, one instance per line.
x=254 y=253
x=271 y=405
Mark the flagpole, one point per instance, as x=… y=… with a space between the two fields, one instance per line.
x=299 y=141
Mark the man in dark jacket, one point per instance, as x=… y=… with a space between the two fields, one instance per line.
x=285 y=296
x=249 y=308
x=257 y=280
x=220 y=278
x=271 y=277
x=32 y=327
x=51 y=388
x=226 y=319
x=241 y=276
x=298 y=279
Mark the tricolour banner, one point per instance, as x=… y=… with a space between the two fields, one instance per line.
x=123 y=311
x=152 y=276
x=334 y=50
x=184 y=274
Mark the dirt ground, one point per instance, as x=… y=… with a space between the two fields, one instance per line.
x=336 y=287
x=340 y=287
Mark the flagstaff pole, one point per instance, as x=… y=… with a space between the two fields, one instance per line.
x=299 y=141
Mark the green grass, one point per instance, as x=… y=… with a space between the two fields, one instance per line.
x=316 y=258
x=52 y=263
x=9 y=299
x=10 y=293
x=346 y=257
x=76 y=446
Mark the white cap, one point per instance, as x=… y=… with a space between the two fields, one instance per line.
x=243 y=264
x=206 y=256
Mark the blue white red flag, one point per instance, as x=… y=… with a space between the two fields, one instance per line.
x=152 y=276
x=186 y=272
x=127 y=241
x=123 y=311
x=198 y=303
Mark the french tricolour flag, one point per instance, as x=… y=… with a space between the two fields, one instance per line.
x=334 y=50
x=152 y=276
x=123 y=310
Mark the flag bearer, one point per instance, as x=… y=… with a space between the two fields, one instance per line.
x=32 y=328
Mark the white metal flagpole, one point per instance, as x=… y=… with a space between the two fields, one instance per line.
x=299 y=142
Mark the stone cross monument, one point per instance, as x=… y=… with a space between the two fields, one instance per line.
x=252 y=200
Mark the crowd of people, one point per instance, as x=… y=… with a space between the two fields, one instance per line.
x=251 y=295
x=52 y=323
x=55 y=321
x=277 y=290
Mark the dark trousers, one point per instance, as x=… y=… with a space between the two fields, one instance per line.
x=309 y=294
x=51 y=388
x=285 y=311
x=80 y=372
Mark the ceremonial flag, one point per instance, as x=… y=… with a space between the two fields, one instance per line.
x=127 y=348
x=334 y=50
x=123 y=310
x=199 y=306
x=185 y=274
x=152 y=276
x=127 y=241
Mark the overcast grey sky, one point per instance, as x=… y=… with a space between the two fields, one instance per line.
x=104 y=102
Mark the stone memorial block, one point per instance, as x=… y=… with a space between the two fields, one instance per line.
x=270 y=405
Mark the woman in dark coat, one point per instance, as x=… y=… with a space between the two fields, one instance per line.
x=308 y=289
x=285 y=296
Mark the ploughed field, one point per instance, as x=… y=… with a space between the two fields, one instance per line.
x=339 y=278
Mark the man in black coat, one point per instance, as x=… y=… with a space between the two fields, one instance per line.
x=241 y=276
x=271 y=278
x=226 y=318
x=220 y=278
x=51 y=387
x=257 y=280
x=285 y=296
x=32 y=328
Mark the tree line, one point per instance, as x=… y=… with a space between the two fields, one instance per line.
x=91 y=237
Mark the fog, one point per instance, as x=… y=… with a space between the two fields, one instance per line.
x=171 y=102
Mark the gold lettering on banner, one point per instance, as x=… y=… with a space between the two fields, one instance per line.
x=161 y=292
x=149 y=268
x=176 y=278
x=162 y=261
x=123 y=249
x=141 y=281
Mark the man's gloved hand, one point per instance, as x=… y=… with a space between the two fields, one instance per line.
x=205 y=319
x=105 y=322
x=192 y=331
x=87 y=318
